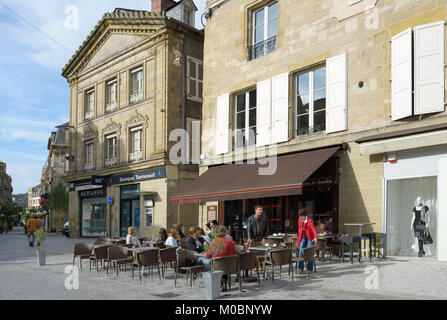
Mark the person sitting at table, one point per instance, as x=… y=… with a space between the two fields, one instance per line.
x=195 y=242
x=206 y=237
x=208 y=228
x=162 y=235
x=172 y=238
x=323 y=229
x=131 y=238
x=214 y=224
x=180 y=233
x=307 y=236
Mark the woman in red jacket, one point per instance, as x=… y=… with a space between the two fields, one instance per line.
x=307 y=236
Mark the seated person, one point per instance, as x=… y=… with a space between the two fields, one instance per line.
x=131 y=238
x=162 y=235
x=172 y=239
x=204 y=236
x=180 y=233
x=208 y=228
x=195 y=243
x=323 y=229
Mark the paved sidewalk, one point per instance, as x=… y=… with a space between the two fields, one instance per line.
x=21 y=278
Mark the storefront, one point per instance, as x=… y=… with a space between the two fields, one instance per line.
x=93 y=211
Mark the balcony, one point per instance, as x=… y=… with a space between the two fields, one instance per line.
x=136 y=156
x=262 y=48
x=88 y=166
x=88 y=115
x=110 y=162
x=136 y=97
x=111 y=107
x=318 y=129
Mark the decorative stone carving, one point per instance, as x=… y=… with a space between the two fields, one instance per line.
x=91 y=133
x=137 y=118
x=112 y=126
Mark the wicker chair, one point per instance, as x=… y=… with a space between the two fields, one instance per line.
x=229 y=265
x=322 y=248
x=248 y=261
x=181 y=264
x=101 y=241
x=146 y=258
x=280 y=257
x=167 y=255
x=83 y=251
x=118 y=255
x=308 y=256
x=273 y=241
x=99 y=254
x=128 y=245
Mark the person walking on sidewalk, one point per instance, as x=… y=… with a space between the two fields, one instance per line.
x=307 y=236
x=31 y=225
x=5 y=227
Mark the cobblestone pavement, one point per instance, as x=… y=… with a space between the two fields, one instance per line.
x=21 y=278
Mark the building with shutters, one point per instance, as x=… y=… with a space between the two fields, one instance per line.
x=136 y=78
x=34 y=198
x=350 y=96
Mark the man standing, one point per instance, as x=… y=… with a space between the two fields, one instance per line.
x=31 y=225
x=257 y=228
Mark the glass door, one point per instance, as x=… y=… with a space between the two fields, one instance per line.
x=136 y=216
x=126 y=217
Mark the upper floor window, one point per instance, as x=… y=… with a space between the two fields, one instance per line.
x=136 y=144
x=88 y=159
x=89 y=104
x=111 y=150
x=136 y=85
x=195 y=79
x=311 y=101
x=245 y=119
x=111 y=95
x=265 y=29
x=188 y=17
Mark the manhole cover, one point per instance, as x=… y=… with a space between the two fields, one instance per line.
x=167 y=295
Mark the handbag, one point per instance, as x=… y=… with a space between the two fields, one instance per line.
x=427 y=237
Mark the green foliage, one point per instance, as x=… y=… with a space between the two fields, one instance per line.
x=40 y=235
x=58 y=198
x=10 y=213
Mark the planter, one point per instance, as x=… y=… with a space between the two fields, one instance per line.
x=212 y=280
x=41 y=256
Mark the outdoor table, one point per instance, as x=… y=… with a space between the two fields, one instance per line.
x=360 y=226
x=266 y=250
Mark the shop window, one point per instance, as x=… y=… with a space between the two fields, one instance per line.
x=94 y=217
x=245 y=119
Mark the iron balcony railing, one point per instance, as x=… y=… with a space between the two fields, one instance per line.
x=262 y=48
x=318 y=129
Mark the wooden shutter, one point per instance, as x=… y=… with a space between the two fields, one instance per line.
x=429 y=68
x=401 y=75
x=222 y=127
x=280 y=108
x=263 y=113
x=336 y=94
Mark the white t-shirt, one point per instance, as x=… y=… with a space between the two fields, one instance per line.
x=171 y=242
x=133 y=240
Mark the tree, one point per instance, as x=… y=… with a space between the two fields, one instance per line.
x=58 y=198
x=9 y=213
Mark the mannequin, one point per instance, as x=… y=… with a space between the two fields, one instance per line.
x=418 y=224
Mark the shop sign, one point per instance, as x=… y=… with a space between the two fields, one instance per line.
x=137 y=176
x=110 y=200
x=93 y=193
x=99 y=180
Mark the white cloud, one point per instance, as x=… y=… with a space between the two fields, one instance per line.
x=9 y=135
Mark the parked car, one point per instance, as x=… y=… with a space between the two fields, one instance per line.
x=65 y=229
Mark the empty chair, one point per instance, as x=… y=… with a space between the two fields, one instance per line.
x=372 y=239
x=183 y=264
x=99 y=254
x=118 y=255
x=248 y=261
x=146 y=258
x=101 y=241
x=167 y=255
x=280 y=257
x=323 y=248
x=229 y=265
x=83 y=251
x=308 y=256
x=121 y=242
x=350 y=240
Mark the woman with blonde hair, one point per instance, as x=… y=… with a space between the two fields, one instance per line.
x=172 y=237
x=132 y=238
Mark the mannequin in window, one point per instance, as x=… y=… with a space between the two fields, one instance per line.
x=420 y=220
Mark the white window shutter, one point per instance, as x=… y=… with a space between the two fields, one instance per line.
x=336 y=94
x=429 y=68
x=280 y=108
x=222 y=127
x=263 y=113
x=401 y=75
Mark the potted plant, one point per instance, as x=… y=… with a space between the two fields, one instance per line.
x=212 y=279
x=40 y=235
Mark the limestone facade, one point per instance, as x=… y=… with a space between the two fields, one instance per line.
x=5 y=184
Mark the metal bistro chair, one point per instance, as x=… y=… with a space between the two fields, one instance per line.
x=99 y=254
x=118 y=255
x=182 y=264
x=229 y=265
x=248 y=261
x=167 y=255
x=308 y=256
x=83 y=251
x=280 y=257
x=322 y=249
x=147 y=258
x=350 y=240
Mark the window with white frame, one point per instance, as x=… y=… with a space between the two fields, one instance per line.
x=136 y=85
x=310 y=107
x=265 y=29
x=245 y=119
x=136 y=144
x=111 y=153
x=111 y=95
x=89 y=104
x=195 y=79
x=88 y=160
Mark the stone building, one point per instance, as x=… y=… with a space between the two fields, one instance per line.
x=349 y=94
x=136 y=78
x=34 y=197
x=5 y=184
x=55 y=168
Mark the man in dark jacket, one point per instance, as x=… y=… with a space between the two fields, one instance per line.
x=257 y=228
x=195 y=242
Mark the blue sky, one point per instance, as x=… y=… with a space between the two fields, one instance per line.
x=33 y=94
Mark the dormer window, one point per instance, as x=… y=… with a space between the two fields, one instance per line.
x=188 y=17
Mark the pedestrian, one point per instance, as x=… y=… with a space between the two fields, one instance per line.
x=257 y=228
x=5 y=227
x=32 y=224
x=307 y=236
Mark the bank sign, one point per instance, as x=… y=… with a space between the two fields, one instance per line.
x=137 y=176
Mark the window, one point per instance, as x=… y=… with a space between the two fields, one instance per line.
x=136 y=144
x=110 y=150
x=195 y=79
x=88 y=164
x=245 y=119
x=188 y=17
x=136 y=85
x=311 y=101
x=265 y=29
x=111 y=95
x=89 y=104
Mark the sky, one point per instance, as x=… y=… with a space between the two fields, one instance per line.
x=34 y=97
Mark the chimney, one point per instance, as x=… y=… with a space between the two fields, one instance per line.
x=162 y=5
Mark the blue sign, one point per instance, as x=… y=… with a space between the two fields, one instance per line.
x=110 y=200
